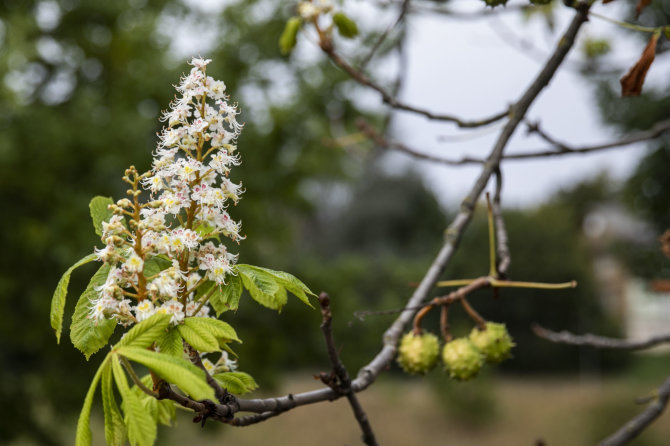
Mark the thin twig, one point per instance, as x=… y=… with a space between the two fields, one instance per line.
x=560 y=148
x=401 y=16
x=635 y=426
x=557 y=148
x=590 y=340
x=344 y=384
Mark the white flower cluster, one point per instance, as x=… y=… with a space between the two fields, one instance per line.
x=189 y=194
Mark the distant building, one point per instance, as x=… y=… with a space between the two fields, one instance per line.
x=642 y=306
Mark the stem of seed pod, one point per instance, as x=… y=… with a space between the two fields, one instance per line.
x=444 y=323
x=419 y=315
x=481 y=322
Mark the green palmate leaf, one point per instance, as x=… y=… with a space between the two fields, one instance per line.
x=58 y=299
x=284 y=280
x=236 y=382
x=83 y=437
x=146 y=332
x=155 y=265
x=87 y=335
x=115 y=428
x=219 y=329
x=289 y=36
x=198 y=337
x=166 y=412
x=294 y=285
x=99 y=212
x=178 y=371
x=170 y=343
x=141 y=426
x=263 y=286
x=228 y=295
x=162 y=411
x=345 y=26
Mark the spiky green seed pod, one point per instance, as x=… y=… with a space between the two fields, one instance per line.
x=462 y=360
x=418 y=354
x=495 y=343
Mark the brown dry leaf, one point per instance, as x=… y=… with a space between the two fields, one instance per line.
x=609 y=1
x=631 y=83
x=665 y=242
x=641 y=4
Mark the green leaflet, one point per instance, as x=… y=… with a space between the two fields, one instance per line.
x=289 y=37
x=146 y=332
x=83 y=437
x=179 y=371
x=166 y=412
x=263 y=285
x=294 y=285
x=58 y=299
x=226 y=347
x=155 y=265
x=162 y=411
x=141 y=427
x=228 y=296
x=87 y=336
x=236 y=382
x=170 y=343
x=115 y=428
x=205 y=231
x=345 y=26
x=99 y=212
x=198 y=337
x=219 y=329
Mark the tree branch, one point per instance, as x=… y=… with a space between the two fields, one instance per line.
x=635 y=426
x=344 y=384
x=590 y=340
x=404 y=7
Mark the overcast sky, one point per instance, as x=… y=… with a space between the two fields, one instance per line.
x=467 y=68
